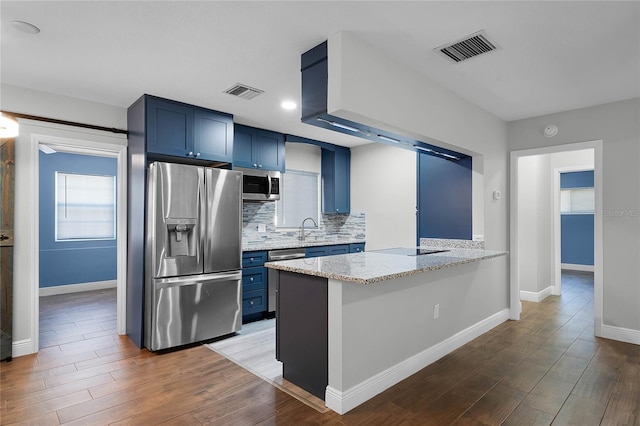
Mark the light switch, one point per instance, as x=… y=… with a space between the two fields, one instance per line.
x=497 y=195
x=262 y=227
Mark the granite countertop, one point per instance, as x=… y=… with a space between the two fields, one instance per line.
x=381 y=265
x=310 y=242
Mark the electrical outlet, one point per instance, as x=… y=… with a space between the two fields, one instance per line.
x=262 y=227
x=436 y=311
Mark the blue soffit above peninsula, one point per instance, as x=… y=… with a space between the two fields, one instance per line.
x=314 y=68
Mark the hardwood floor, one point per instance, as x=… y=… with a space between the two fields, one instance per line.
x=546 y=368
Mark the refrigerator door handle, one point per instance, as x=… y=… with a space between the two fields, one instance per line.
x=181 y=281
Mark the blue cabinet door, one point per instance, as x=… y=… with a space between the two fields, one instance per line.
x=269 y=148
x=243 y=146
x=356 y=248
x=336 y=181
x=316 y=251
x=213 y=136
x=258 y=149
x=169 y=127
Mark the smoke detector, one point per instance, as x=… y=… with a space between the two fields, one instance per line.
x=243 y=91
x=468 y=47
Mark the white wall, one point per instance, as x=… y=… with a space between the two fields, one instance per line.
x=303 y=156
x=383 y=185
x=618 y=126
x=534 y=224
x=374 y=90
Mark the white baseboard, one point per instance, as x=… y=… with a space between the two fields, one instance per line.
x=22 y=347
x=531 y=296
x=622 y=334
x=341 y=402
x=75 y=288
x=576 y=267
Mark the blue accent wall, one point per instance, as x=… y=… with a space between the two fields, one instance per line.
x=444 y=197
x=72 y=262
x=577 y=230
x=576 y=179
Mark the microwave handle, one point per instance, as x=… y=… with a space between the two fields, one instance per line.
x=268 y=186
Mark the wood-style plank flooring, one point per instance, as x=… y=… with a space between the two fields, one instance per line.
x=546 y=368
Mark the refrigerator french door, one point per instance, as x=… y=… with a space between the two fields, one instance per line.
x=193 y=254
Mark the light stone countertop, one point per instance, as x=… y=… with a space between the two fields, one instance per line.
x=310 y=242
x=381 y=265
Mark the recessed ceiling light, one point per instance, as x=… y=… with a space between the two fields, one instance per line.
x=26 y=27
x=288 y=105
x=8 y=127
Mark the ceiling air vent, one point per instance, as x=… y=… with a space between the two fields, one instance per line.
x=243 y=91
x=473 y=45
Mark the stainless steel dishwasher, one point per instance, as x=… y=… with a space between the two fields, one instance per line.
x=272 y=280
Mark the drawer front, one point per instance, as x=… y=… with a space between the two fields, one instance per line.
x=254 y=279
x=254 y=302
x=356 y=248
x=338 y=249
x=316 y=251
x=253 y=258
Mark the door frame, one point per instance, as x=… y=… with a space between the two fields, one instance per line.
x=69 y=139
x=597 y=146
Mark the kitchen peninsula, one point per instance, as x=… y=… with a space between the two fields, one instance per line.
x=350 y=326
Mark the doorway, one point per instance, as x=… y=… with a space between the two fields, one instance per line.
x=548 y=240
x=66 y=139
x=77 y=246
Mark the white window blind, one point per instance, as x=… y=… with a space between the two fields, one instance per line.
x=298 y=200
x=577 y=200
x=85 y=207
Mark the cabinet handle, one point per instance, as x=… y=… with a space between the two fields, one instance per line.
x=255 y=166
x=251 y=279
x=251 y=302
x=197 y=154
x=259 y=166
x=190 y=153
x=251 y=259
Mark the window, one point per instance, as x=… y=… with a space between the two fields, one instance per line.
x=577 y=200
x=299 y=199
x=85 y=207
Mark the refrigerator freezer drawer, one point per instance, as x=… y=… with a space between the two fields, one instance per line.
x=191 y=309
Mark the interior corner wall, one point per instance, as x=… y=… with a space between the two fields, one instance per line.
x=370 y=88
x=383 y=185
x=534 y=223
x=617 y=124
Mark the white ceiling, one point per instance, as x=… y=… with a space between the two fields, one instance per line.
x=554 y=55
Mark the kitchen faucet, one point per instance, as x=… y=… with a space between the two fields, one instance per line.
x=302 y=227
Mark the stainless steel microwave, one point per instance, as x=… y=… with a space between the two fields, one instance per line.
x=260 y=185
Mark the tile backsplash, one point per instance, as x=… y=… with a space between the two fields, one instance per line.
x=332 y=228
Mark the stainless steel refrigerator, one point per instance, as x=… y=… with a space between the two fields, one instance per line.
x=193 y=254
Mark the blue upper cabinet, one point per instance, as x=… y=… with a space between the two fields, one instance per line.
x=336 y=181
x=181 y=130
x=258 y=148
x=213 y=136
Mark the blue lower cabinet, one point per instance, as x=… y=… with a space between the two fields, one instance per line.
x=254 y=302
x=330 y=250
x=338 y=249
x=316 y=251
x=254 y=285
x=356 y=248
